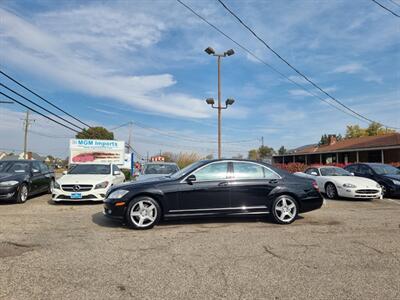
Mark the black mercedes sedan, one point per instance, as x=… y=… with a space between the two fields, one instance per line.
x=212 y=188
x=20 y=179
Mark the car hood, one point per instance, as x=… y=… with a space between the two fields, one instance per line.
x=12 y=176
x=150 y=176
x=83 y=179
x=358 y=181
x=395 y=177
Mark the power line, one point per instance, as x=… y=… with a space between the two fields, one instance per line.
x=294 y=68
x=267 y=64
x=45 y=109
x=394 y=2
x=384 y=7
x=47 y=101
x=39 y=113
x=49 y=135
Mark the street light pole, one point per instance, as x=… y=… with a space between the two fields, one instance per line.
x=230 y=52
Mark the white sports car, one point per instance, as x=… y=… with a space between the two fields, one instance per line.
x=87 y=182
x=337 y=182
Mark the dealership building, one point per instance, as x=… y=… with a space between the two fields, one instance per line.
x=381 y=148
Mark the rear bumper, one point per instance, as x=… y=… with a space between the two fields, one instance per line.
x=310 y=204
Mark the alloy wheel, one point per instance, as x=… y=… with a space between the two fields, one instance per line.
x=143 y=213
x=285 y=209
x=24 y=193
x=330 y=191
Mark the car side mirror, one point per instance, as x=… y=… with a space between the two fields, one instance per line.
x=191 y=179
x=314 y=173
x=117 y=173
x=35 y=171
x=352 y=174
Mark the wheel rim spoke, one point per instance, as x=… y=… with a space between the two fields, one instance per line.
x=143 y=213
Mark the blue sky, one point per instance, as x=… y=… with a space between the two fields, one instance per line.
x=111 y=62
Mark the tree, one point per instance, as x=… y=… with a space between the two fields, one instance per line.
x=324 y=140
x=95 y=133
x=354 y=131
x=282 y=150
x=253 y=154
x=265 y=151
x=209 y=156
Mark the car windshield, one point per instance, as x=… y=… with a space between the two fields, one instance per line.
x=90 y=169
x=14 y=167
x=385 y=170
x=334 y=172
x=187 y=169
x=160 y=169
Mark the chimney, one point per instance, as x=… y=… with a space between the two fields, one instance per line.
x=332 y=139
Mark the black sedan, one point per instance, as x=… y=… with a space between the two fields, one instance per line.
x=386 y=175
x=211 y=188
x=20 y=179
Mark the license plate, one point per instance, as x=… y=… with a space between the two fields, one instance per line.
x=76 y=196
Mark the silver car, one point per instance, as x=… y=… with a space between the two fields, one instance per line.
x=157 y=169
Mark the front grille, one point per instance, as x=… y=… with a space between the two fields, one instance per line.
x=76 y=187
x=368 y=192
x=83 y=197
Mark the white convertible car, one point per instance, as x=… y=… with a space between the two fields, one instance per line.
x=337 y=182
x=87 y=182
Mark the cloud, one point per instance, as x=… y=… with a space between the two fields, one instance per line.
x=55 y=55
x=351 y=68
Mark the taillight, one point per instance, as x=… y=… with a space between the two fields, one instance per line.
x=315 y=185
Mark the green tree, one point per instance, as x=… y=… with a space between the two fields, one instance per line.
x=95 y=133
x=253 y=154
x=282 y=150
x=324 y=140
x=354 y=131
x=264 y=152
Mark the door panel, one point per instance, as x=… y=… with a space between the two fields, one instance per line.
x=211 y=190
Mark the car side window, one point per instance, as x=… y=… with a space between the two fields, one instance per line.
x=43 y=168
x=351 y=169
x=115 y=169
x=247 y=171
x=36 y=166
x=269 y=174
x=214 y=171
x=312 y=170
x=364 y=170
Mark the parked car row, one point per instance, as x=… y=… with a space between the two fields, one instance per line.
x=204 y=188
x=360 y=180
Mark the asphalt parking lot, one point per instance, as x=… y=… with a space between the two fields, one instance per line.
x=346 y=250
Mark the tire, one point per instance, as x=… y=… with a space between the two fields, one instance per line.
x=51 y=185
x=143 y=213
x=284 y=209
x=22 y=194
x=331 y=191
x=385 y=192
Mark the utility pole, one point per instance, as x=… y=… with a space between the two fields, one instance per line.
x=130 y=136
x=262 y=141
x=27 y=122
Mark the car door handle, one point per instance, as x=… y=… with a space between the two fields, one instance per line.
x=223 y=184
x=273 y=181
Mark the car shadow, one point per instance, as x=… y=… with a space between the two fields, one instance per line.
x=101 y=220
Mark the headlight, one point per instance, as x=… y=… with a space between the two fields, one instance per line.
x=9 y=183
x=117 y=194
x=396 y=182
x=101 y=185
x=349 y=185
x=57 y=185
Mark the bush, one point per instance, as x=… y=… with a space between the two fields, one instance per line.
x=300 y=167
x=127 y=174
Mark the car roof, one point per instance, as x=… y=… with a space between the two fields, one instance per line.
x=160 y=163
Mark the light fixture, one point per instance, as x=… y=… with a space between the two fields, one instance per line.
x=209 y=50
x=210 y=101
x=229 y=101
x=230 y=52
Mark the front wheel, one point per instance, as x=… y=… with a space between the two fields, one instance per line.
x=284 y=209
x=331 y=191
x=22 y=194
x=143 y=213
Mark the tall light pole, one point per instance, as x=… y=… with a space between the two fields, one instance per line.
x=210 y=51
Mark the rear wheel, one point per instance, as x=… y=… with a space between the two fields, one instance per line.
x=331 y=191
x=143 y=213
x=22 y=194
x=284 y=209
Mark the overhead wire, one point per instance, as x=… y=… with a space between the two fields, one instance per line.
x=295 y=69
x=385 y=8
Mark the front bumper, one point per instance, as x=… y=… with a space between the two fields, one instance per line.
x=359 y=193
x=59 y=195
x=8 y=192
x=112 y=211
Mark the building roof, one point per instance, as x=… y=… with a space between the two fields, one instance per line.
x=365 y=142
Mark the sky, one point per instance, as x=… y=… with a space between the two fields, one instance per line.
x=112 y=62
